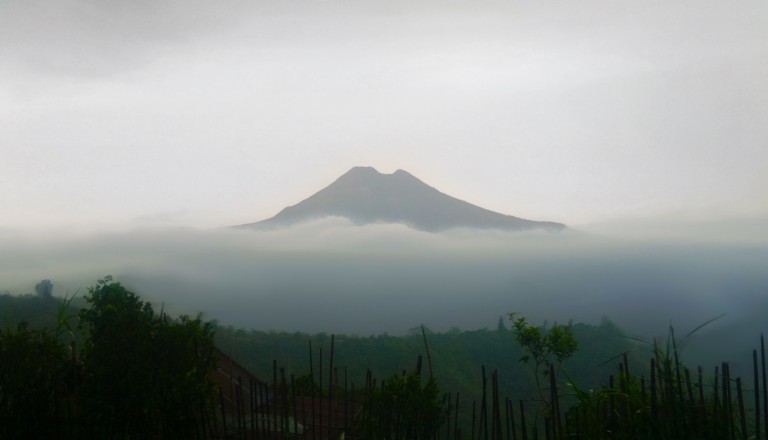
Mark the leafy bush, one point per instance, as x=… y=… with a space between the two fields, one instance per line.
x=144 y=373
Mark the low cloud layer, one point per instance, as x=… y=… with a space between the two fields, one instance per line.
x=334 y=277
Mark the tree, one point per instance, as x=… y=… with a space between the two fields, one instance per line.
x=44 y=289
x=146 y=374
x=541 y=345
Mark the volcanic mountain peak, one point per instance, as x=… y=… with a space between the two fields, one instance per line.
x=369 y=175
x=365 y=196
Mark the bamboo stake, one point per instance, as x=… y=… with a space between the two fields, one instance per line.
x=239 y=403
x=284 y=393
x=729 y=400
x=499 y=432
x=261 y=424
x=275 y=391
x=293 y=400
x=557 y=429
x=353 y=397
x=346 y=402
x=223 y=411
x=702 y=407
x=716 y=405
x=484 y=411
x=456 y=418
x=765 y=385
x=742 y=416
x=320 y=400
x=654 y=410
x=330 y=386
x=756 y=380
x=448 y=428
x=494 y=406
x=611 y=408
x=691 y=412
x=252 y=403
x=506 y=416
x=426 y=347
x=312 y=391
x=336 y=390
x=512 y=419
x=622 y=412
x=726 y=401
x=267 y=406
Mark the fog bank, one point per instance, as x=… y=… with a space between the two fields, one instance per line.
x=330 y=276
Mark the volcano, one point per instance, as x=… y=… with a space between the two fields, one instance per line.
x=365 y=196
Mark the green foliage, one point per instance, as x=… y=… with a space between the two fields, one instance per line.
x=541 y=345
x=403 y=408
x=64 y=317
x=146 y=373
x=667 y=401
x=33 y=365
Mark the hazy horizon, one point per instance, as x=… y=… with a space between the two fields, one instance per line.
x=338 y=267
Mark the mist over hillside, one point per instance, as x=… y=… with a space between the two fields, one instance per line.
x=331 y=276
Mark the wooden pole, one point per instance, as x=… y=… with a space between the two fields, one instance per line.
x=426 y=347
x=330 y=387
x=456 y=418
x=756 y=379
x=765 y=385
x=742 y=415
x=312 y=391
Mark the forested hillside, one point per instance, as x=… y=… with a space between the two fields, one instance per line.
x=456 y=357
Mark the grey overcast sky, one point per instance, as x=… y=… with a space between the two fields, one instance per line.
x=204 y=114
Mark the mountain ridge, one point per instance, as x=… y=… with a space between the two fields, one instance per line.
x=364 y=196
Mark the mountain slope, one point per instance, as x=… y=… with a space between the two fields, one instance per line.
x=366 y=196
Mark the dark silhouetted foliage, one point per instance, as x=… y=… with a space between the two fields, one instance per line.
x=32 y=368
x=145 y=374
x=404 y=407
